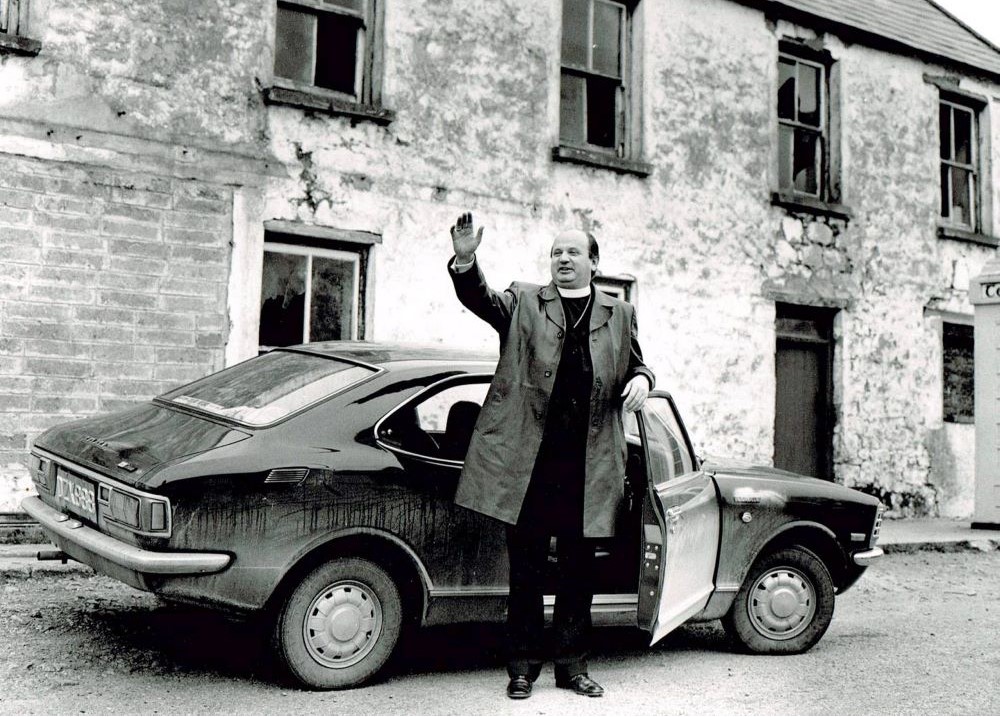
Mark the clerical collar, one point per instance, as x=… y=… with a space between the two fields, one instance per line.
x=574 y=293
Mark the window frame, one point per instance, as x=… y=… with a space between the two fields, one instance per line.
x=954 y=102
x=625 y=156
x=297 y=243
x=822 y=130
x=828 y=202
x=366 y=102
x=471 y=378
x=621 y=287
x=14 y=37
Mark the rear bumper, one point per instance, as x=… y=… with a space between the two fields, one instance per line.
x=867 y=557
x=111 y=556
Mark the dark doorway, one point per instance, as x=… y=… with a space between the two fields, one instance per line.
x=803 y=406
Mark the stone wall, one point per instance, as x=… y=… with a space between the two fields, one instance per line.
x=113 y=290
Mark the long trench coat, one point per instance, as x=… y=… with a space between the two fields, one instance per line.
x=529 y=319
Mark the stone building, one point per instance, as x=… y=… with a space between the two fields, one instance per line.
x=794 y=194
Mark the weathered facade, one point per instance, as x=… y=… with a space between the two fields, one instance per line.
x=150 y=158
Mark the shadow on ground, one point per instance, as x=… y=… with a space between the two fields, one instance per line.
x=180 y=639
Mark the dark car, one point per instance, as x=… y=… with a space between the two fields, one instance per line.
x=315 y=485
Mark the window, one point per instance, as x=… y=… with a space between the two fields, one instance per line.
x=270 y=387
x=618 y=286
x=595 y=101
x=14 y=29
x=310 y=293
x=959 y=165
x=327 y=45
x=803 y=137
x=957 y=350
x=438 y=424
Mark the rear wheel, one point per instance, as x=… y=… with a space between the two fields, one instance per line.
x=339 y=626
x=784 y=605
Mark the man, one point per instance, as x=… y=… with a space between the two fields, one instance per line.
x=547 y=456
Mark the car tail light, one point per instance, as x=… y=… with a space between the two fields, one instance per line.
x=40 y=470
x=124 y=508
x=157 y=516
x=141 y=512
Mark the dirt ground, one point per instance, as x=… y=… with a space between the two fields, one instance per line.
x=918 y=635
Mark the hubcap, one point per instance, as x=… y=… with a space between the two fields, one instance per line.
x=342 y=624
x=782 y=603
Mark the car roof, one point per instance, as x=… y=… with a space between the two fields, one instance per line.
x=383 y=354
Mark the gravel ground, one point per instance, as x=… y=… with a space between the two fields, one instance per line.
x=917 y=635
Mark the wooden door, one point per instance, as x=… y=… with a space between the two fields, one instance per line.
x=803 y=415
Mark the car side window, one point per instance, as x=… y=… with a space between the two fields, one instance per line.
x=668 y=451
x=439 y=423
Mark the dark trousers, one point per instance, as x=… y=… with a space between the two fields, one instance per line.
x=528 y=552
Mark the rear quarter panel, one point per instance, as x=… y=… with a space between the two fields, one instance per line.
x=222 y=502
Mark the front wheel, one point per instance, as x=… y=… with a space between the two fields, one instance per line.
x=784 y=605
x=339 y=626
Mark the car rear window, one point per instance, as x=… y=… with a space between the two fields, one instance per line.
x=268 y=388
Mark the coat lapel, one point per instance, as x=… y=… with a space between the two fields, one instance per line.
x=553 y=309
x=603 y=306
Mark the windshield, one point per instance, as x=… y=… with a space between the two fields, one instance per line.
x=268 y=388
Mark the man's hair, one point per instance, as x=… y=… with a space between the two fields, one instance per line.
x=592 y=248
x=594 y=251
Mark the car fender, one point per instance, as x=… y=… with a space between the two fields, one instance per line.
x=379 y=546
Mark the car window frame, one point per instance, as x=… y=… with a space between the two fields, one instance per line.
x=436 y=387
x=695 y=460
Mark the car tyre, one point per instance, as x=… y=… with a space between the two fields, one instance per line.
x=339 y=626
x=784 y=605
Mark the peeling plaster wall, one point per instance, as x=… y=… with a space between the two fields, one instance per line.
x=476 y=96
x=710 y=254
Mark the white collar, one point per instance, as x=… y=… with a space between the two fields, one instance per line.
x=574 y=293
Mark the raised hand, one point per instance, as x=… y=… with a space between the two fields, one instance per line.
x=464 y=238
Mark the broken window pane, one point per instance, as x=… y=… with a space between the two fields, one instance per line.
x=786 y=138
x=575 y=32
x=607 y=38
x=963 y=135
x=282 y=307
x=786 y=90
x=961 y=196
x=333 y=292
x=295 y=40
x=958 y=352
x=337 y=53
x=571 y=109
x=945 y=191
x=602 y=112
x=809 y=100
x=945 y=115
x=806 y=158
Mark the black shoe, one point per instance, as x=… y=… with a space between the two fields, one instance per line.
x=519 y=687
x=581 y=684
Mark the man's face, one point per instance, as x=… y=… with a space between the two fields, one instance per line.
x=571 y=263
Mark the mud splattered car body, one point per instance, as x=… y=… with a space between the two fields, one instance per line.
x=316 y=483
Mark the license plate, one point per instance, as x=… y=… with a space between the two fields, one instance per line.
x=76 y=494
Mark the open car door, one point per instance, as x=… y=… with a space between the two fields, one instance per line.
x=680 y=523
